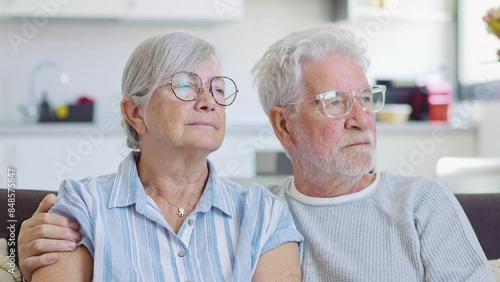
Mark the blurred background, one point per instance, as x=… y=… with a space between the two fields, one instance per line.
x=61 y=63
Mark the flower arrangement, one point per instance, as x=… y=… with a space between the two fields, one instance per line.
x=492 y=18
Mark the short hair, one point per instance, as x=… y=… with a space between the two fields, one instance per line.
x=154 y=61
x=278 y=74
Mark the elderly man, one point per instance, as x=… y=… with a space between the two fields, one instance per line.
x=357 y=226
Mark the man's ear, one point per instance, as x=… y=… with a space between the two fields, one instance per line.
x=279 y=118
x=133 y=114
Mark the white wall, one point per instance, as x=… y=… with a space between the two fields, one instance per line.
x=489 y=132
x=94 y=53
x=477 y=47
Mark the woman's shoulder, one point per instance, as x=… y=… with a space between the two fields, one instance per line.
x=89 y=185
x=251 y=197
x=255 y=189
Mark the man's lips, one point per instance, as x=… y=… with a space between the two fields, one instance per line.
x=360 y=143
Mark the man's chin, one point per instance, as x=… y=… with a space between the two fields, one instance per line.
x=356 y=171
x=358 y=165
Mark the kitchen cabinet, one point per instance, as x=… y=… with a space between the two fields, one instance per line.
x=143 y=10
x=410 y=149
x=202 y=10
x=415 y=148
x=40 y=11
x=44 y=155
x=382 y=11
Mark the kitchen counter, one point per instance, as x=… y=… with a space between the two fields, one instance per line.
x=23 y=129
x=113 y=128
x=47 y=153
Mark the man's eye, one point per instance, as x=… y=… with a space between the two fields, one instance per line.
x=366 y=99
x=335 y=102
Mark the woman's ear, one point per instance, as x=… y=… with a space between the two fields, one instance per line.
x=133 y=114
x=279 y=118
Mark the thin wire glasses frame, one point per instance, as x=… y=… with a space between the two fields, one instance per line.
x=188 y=86
x=339 y=103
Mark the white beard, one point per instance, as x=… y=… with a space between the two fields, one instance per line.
x=344 y=162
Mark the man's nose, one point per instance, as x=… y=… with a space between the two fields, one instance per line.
x=359 y=115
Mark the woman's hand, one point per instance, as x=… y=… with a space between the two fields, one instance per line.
x=42 y=235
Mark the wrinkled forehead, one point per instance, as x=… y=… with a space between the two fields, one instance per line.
x=337 y=73
x=207 y=69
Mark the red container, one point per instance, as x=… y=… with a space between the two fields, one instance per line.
x=440 y=100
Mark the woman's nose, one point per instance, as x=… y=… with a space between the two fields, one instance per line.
x=205 y=100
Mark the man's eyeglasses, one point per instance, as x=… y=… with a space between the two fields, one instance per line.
x=187 y=86
x=337 y=103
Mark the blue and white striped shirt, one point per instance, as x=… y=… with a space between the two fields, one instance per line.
x=129 y=239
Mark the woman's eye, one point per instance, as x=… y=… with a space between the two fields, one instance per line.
x=218 y=91
x=185 y=86
x=182 y=86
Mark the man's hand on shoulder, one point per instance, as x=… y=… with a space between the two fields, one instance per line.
x=44 y=234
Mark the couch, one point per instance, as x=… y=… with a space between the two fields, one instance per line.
x=483 y=211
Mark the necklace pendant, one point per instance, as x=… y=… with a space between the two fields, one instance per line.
x=180 y=212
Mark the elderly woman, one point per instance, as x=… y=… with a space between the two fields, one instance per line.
x=166 y=215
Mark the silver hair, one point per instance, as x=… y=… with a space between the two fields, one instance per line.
x=278 y=74
x=152 y=64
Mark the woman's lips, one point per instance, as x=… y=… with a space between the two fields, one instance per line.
x=203 y=123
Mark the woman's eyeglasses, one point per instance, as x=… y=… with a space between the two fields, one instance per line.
x=187 y=86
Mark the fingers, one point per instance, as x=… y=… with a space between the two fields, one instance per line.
x=49 y=219
x=47 y=230
x=32 y=263
x=46 y=204
x=46 y=233
x=42 y=246
x=39 y=237
x=42 y=235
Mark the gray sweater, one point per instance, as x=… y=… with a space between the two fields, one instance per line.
x=397 y=229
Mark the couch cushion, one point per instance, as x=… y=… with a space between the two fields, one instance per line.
x=483 y=211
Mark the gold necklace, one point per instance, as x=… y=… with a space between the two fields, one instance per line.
x=180 y=211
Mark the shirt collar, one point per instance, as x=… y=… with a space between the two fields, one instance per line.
x=216 y=193
x=127 y=188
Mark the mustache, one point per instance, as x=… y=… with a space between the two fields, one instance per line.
x=355 y=137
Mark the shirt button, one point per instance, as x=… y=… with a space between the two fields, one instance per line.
x=181 y=254
x=191 y=222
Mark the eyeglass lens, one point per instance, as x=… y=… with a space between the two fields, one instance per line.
x=339 y=103
x=188 y=86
